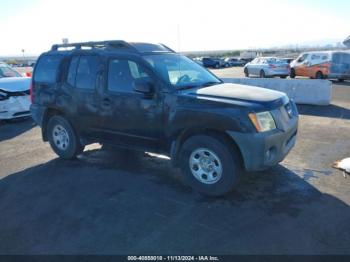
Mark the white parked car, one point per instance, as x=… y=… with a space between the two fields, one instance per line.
x=14 y=93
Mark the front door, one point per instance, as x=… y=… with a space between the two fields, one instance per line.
x=130 y=117
x=301 y=67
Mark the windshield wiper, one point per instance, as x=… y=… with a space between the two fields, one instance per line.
x=211 y=83
x=186 y=87
x=206 y=84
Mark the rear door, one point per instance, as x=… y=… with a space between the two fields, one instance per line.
x=81 y=86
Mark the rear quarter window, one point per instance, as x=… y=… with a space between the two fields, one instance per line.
x=46 y=69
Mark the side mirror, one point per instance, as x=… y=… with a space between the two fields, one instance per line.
x=144 y=87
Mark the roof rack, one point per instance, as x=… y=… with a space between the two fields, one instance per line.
x=98 y=45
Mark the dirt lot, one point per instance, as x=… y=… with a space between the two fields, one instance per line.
x=113 y=203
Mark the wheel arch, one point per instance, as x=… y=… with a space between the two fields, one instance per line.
x=49 y=112
x=177 y=143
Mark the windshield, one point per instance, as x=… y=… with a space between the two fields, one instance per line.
x=180 y=71
x=6 y=71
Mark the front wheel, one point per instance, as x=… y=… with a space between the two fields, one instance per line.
x=210 y=166
x=319 y=75
x=246 y=72
x=292 y=73
x=262 y=74
x=63 y=138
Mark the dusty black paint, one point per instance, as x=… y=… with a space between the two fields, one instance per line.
x=153 y=122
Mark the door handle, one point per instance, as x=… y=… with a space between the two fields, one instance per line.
x=106 y=102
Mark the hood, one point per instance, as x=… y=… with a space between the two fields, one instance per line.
x=241 y=93
x=15 y=84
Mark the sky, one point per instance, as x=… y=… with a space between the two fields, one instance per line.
x=184 y=25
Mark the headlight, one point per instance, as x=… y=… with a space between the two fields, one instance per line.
x=262 y=121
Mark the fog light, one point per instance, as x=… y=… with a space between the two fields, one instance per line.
x=270 y=154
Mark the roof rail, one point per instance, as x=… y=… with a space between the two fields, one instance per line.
x=171 y=50
x=101 y=44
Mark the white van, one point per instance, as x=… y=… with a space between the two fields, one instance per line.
x=321 y=65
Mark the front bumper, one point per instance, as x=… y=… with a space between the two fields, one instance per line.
x=264 y=150
x=14 y=107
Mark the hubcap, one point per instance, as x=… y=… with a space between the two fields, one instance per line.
x=205 y=166
x=60 y=137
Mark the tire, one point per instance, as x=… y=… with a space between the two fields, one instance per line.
x=262 y=74
x=283 y=77
x=319 y=75
x=246 y=72
x=340 y=80
x=225 y=163
x=63 y=138
x=292 y=73
x=217 y=66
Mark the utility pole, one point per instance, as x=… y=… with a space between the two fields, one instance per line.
x=23 y=55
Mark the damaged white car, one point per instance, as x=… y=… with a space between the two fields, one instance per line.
x=14 y=94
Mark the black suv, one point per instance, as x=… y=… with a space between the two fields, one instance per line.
x=147 y=97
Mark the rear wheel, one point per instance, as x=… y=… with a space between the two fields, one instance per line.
x=283 y=77
x=262 y=74
x=209 y=165
x=292 y=73
x=63 y=138
x=340 y=80
x=319 y=75
x=217 y=66
x=246 y=72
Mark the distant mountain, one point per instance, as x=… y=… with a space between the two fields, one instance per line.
x=321 y=42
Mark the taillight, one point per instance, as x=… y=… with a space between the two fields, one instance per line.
x=31 y=92
x=28 y=74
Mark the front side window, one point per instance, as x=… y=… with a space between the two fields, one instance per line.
x=302 y=58
x=123 y=73
x=87 y=72
x=6 y=71
x=47 y=68
x=180 y=71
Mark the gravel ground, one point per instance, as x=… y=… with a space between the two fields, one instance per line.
x=132 y=203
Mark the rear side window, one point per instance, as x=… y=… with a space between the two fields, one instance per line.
x=72 y=71
x=87 y=72
x=315 y=57
x=46 y=69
